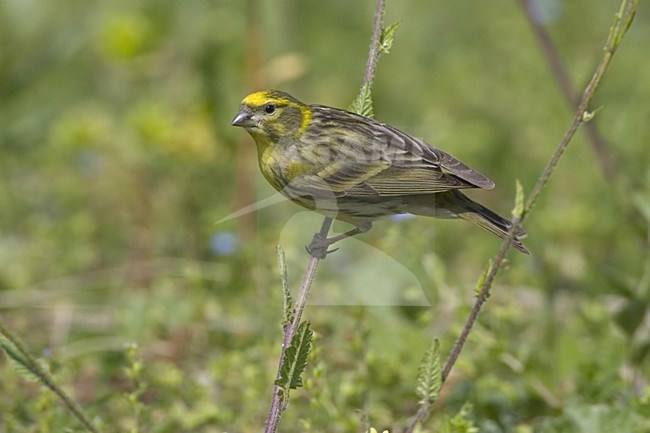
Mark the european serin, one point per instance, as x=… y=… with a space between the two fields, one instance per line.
x=356 y=169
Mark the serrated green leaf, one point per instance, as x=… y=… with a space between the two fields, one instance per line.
x=518 y=211
x=20 y=365
x=481 y=279
x=461 y=422
x=286 y=293
x=429 y=379
x=363 y=103
x=295 y=358
x=587 y=116
x=387 y=37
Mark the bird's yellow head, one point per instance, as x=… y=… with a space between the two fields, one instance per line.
x=271 y=115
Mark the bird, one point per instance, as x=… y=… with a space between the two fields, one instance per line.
x=356 y=169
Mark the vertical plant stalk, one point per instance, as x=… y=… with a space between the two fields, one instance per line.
x=373 y=54
x=278 y=403
x=598 y=143
x=46 y=378
x=622 y=21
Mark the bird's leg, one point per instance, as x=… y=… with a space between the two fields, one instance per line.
x=320 y=243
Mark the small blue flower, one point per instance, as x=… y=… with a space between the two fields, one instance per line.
x=223 y=243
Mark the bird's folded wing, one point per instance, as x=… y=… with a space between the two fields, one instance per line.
x=339 y=179
x=387 y=162
x=400 y=142
x=377 y=178
x=422 y=179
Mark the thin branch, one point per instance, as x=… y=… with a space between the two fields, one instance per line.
x=46 y=378
x=550 y=52
x=373 y=53
x=622 y=22
x=277 y=403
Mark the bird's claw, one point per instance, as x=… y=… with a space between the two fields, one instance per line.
x=316 y=251
x=318 y=247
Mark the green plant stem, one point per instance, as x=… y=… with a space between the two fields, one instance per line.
x=46 y=378
x=278 y=403
x=620 y=26
x=550 y=53
x=622 y=22
x=373 y=54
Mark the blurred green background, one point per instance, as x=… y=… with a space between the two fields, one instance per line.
x=117 y=159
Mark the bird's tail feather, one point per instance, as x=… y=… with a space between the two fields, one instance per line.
x=478 y=214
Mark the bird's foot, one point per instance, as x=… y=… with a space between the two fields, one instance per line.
x=318 y=247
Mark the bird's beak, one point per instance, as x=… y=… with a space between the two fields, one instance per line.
x=243 y=119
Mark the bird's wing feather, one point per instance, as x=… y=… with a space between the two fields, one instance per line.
x=409 y=144
x=375 y=159
x=380 y=175
x=399 y=180
x=346 y=174
x=343 y=178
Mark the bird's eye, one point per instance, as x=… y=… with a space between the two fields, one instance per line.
x=269 y=108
